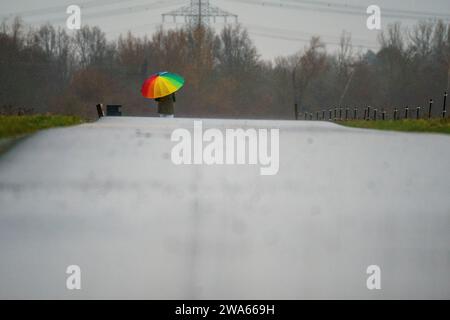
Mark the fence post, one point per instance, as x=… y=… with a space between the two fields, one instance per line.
x=100 y=112
x=335 y=114
x=296 y=111
x=323 y=114
x=306 y=115
x=444 y=106
x=383 y=114
x=406 y=112
x=346 y=114
x=340 y=113
x=417 y=113
x=395 y=114
x=310 y=116
x=355 y=113
x=429 y=108
x=375 y=114
x=329 y=115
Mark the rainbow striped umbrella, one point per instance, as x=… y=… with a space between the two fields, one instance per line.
x=161 y=84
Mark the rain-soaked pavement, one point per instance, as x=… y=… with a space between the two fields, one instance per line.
x=106 y=196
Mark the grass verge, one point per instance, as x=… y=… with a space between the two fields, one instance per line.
x=15 y=126
x=410 y=125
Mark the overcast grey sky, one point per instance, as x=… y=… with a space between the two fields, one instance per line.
x=277 y=27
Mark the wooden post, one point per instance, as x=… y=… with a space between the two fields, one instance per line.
x=100 y=111
x=444 y=106
x=429 y=108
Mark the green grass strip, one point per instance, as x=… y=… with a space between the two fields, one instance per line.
x=410 y=125
x=14 y=126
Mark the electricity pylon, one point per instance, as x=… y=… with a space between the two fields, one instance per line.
x=199 y=13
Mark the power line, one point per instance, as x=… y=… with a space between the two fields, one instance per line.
x=346 y=10
x=159 y=4
x=318 y=5
x=61 y=8
x=118 y=31
x=306 y=40
x=295 y=34
x=200 y=12
x=359 y=8
x=273 y=33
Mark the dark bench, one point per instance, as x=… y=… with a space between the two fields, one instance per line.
x=113 y=110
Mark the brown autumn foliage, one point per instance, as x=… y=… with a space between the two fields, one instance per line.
x=46 y=69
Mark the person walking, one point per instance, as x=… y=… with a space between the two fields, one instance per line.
x=166 y=106
x=161 y=87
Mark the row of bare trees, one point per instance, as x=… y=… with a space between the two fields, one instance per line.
x=412 y=66
x=51 y=70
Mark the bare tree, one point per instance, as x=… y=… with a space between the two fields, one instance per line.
x=310 y=64
x=345 y=61
x=90 y=45
x=421 y=39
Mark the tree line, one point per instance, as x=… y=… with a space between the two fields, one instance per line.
x=49 y=69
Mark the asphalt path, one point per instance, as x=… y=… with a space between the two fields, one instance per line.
x=106 y=196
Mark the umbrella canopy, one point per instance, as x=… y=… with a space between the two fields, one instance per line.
x=161 y=84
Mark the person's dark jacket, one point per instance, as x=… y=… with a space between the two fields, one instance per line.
x=166 y=104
